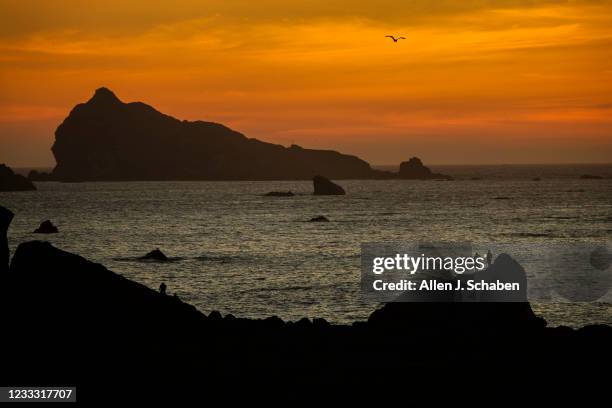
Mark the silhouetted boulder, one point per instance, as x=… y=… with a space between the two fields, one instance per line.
x=590 y=177
x=414 y=169
x=46 y=227
x=106 y=139
x=446 y=313
x=6 y=216
x=504 y=269
x=320 y=218
x=154 y=255
x=9 y=181
x=279 y=194
x=324 y=186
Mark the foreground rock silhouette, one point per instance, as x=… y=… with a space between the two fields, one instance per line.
x=114 y=325
x=324 y=186
x=46 y=227
x=75 y=322
x=9 y=181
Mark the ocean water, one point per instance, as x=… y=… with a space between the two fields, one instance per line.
x=236 y=251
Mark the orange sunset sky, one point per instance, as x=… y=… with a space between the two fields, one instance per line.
x=475 y=81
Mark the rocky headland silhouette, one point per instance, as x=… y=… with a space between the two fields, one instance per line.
x=106 y=139
x=74 y=322
x=9 y=181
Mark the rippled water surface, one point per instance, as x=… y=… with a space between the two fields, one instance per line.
x=239 y=252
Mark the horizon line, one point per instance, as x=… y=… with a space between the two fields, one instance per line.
x=398 y=164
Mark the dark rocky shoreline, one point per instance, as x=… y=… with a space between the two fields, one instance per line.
x=74 y=322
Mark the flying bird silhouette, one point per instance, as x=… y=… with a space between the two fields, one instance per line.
x=395 y=39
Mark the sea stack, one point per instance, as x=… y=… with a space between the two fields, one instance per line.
x=9 y=181
x=324 y=186
x=6 y=216
x=414 y=169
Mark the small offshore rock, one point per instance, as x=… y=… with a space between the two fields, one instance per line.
x=590 y=177
x=320 y=218
x=155 y=255
x=46 y=227
x=279 y=194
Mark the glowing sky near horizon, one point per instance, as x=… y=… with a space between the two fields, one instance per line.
x=476 y=81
